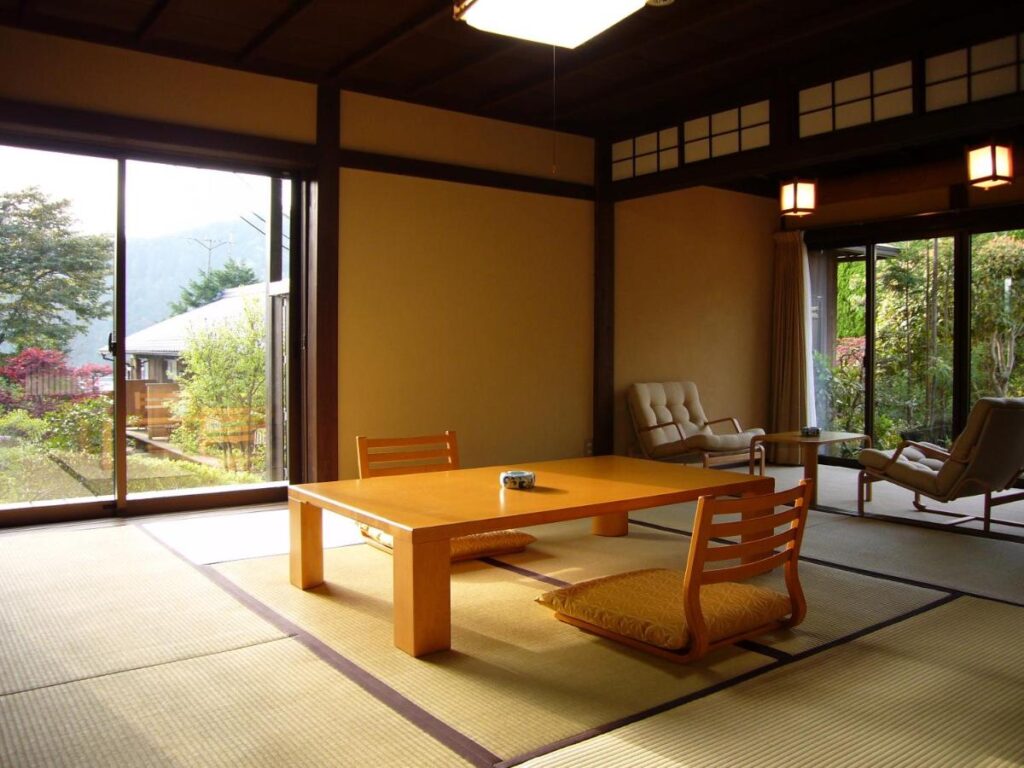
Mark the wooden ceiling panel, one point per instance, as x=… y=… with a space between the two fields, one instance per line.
x=116 y=15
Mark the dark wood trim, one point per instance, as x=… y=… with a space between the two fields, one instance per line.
x=300 y=231
x=970 y=220
x=428 y=169
x=320 y=354
x=275 y=26
x=120 y=414
x=604 y=305
x=182 y=502
x=962 y=297
x=400 y=33
x=63 y=512
x=118 y=136
x=870 y=285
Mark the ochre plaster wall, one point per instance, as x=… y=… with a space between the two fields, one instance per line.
x=373 y=124
x=465 y=308
x=67 y=73
x=693 y=292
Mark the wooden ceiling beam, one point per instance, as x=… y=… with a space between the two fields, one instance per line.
x=24 y=9
x=397 y=35
x=271 y=29
x=495 y=52
x=658 y=80
x=150 y=19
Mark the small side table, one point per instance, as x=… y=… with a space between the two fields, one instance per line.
x=809 y=447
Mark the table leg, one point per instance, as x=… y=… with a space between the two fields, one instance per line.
x=422 y=599
x=616 y=524
x=810 y=459
x=306 y=559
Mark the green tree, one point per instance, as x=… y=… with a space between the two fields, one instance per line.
x=211 y=283
x=223 y=389
x=997 y=311
x=53 y=281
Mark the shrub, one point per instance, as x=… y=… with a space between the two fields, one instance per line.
x=23 y=426
x=82 y=425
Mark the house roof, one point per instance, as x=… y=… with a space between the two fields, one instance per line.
x=168 y=337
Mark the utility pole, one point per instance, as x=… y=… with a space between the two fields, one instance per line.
x=210 y=245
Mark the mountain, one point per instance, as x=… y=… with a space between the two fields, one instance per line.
x=159 y=267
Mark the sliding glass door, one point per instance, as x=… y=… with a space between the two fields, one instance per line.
x=161 y=288
x=908 y=334
x=206 y=293
x=913 y=342
x=58 y=218
x=884 y=340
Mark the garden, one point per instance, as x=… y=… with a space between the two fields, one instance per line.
x=914 y=337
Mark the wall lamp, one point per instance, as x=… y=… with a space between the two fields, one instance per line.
x=797 y=197
x=990 y=165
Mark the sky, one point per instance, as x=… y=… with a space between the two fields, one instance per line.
x=161 y=199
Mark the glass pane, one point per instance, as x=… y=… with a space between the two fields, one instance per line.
x=206 y=328
x=838 y=323
x=997 y=314
x=914 y=342
x=58 y=213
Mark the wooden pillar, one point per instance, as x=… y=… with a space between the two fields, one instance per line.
x=320 y=350
x=604 y=301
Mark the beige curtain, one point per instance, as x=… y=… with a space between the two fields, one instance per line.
x=792 y=395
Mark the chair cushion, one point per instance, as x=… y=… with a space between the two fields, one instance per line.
x=463 y=547
x=648 y=606
x=707 y=441
x=912 y=469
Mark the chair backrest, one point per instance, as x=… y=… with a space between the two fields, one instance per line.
x=667 y=402
x=380 y=456
x=989 y=454
x=761 y=549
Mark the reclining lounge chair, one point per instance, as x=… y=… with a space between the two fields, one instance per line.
x=670 y=425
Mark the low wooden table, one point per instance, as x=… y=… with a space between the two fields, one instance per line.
x=423 y=512
x=809 y=446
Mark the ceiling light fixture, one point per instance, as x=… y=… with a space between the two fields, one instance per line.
x=798 y=197
x=565 y=23
x=990 y=165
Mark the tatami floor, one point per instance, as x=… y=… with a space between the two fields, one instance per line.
x=178 y=641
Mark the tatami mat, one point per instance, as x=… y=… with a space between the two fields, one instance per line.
x=515 y=679
x=81 y=603
x=944 y=688
x=271 y=705
x=839 y=603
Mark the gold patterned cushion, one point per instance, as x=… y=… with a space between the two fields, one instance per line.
x=463 y=547
x=648 y=606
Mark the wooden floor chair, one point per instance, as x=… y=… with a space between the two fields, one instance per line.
x=380 y=456
x=681 y=615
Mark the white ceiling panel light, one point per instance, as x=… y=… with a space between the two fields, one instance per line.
x=565 y=23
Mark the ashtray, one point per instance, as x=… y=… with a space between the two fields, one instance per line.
x=517 y=479
x=810 y=431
